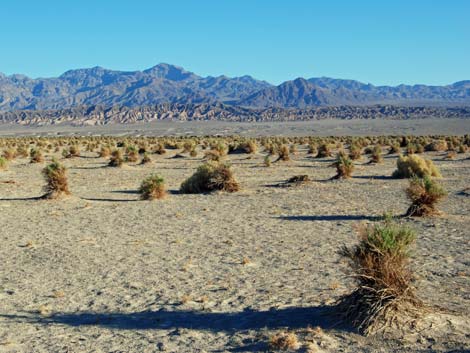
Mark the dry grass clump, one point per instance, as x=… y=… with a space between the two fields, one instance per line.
x=153 y=187
x=283 y=153
x=408 y=166
x=36 y=156
x=355 y=152
x=3 y=163
x=394 y=148
x=104 y=152
x=56 y=179
x=298 y=179
x=439 y=145
x=71 y=152
x=284 y=341
x=9 y=154
x=132 y=154
x=116 y=159
x=424 y=194
x=267 y=161
x=384 y=291
x=376 y=155
x=145 y=159
x=344 y=166
x=210 y=177
x=324 y=151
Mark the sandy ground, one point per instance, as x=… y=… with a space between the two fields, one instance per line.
x=327 y=127
x=103 y=271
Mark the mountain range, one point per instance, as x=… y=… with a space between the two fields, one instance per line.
x=166 y=83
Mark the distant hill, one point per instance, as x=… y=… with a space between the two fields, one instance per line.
x=166 y=83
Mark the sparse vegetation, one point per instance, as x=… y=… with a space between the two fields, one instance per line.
x=424 y=194
x=153 y=187
x=408 y=166
x=210 y=177
x=344 y=166
x=380 y=264
x=56 y=180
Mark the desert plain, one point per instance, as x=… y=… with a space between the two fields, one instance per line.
x=104 y=271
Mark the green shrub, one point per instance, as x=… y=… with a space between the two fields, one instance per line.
x=153 y=187
x=424 y=194
x=379 y=264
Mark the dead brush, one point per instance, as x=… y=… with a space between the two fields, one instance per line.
x=344 y=166
x=55 y=175
x=104 y=152
x=284 y=341
x=36 y=156
x=9 y=154
x=153 y=187
x=116 y=159
x=283 y=153
x=145 y=159
x=424 y=194
x=376 y=156
x=324 y=151
x=384 y=294
x=355 y=152
x=211 y=177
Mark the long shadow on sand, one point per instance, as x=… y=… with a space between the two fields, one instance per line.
x=296 y=317
x=332 y=218
x=377 y=177
x=36 y=198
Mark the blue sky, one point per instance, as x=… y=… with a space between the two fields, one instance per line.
x=381 y=42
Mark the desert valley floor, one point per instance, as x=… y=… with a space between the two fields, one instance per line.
x=103 y=271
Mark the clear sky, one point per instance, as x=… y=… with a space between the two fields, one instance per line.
x=381 y=42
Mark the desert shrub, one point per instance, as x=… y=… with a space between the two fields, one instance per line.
x=283 y=153
x=9 y=154
x=160 y=149
x=116 y=159
x=284 y=341
x=411 y=149
x=380 y=264
x=188 y=146
x=56 y=180
x=376 y=156
x=3 y=163
x=462 y=148
x=104 y=152
x=193 y=152
x=36 y=156
x=415 y=165
x=324 y=151
x=209 y=177
x=438 y=145
x=71 y=152
x=293 y=149
x=312 y=149
x=132 y=154
x=344 y=166
x=424 y=194
x=394 y=148
x=213 y=155
x=267 y=161
x=153 y=187
x=419 y=148
x=355 y=152
x=451 y=155
x=22 y=152
x=145 y=159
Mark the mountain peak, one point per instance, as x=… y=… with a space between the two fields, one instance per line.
x=170 y=72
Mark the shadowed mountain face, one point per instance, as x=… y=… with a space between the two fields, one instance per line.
x=166 y=83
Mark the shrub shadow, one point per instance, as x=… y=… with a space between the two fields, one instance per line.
x=332 y=218
x=296 y=317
